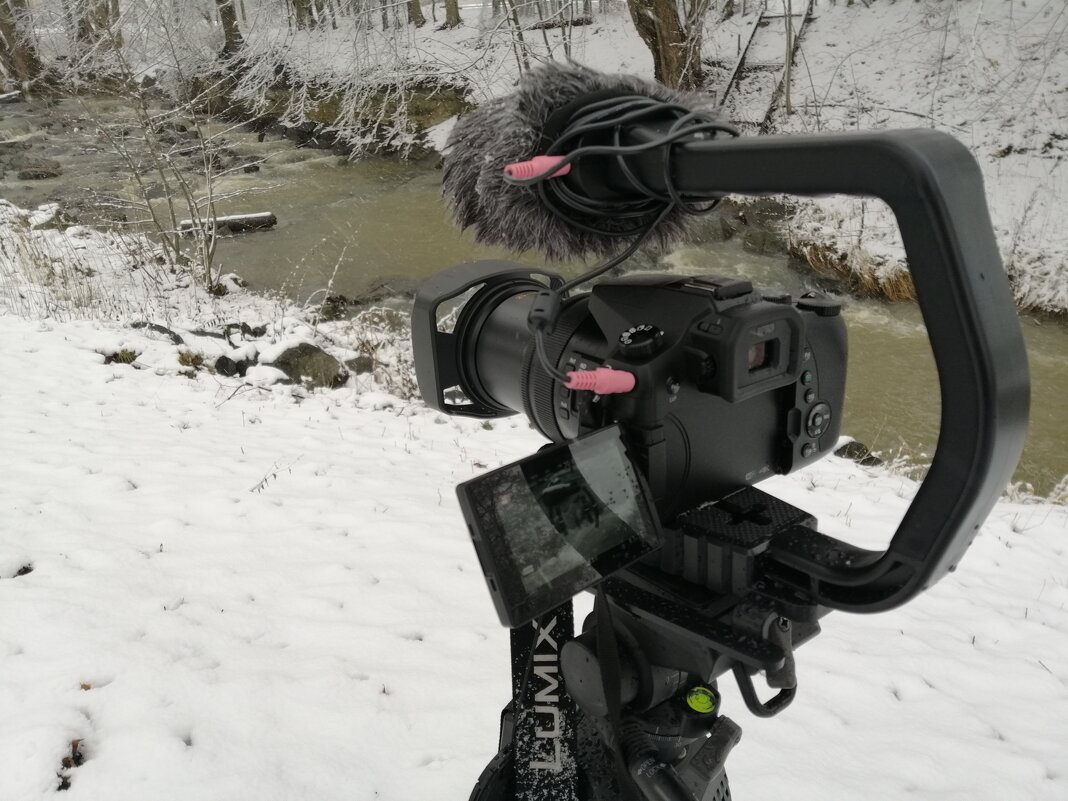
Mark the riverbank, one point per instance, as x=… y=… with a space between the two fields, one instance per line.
x=993 y=75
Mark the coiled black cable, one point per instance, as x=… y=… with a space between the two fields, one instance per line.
x=610 y=116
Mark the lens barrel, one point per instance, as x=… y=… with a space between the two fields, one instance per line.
x=495 y=345
x=499 y=361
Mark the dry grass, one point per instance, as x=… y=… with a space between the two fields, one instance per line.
x=188 y=358
x=79 y=274
x=854 y=274
x=382 y=340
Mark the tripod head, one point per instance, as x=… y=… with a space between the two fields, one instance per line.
x=640 y=679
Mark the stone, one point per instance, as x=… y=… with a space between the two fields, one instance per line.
x=226 y=366
x=311 y=366
x=385 y=288
x=33 y=169
x=334 y=307
x=858 y=453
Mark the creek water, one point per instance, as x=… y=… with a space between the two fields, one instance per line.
x=354 y=227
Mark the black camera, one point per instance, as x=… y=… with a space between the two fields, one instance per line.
x=731 y=385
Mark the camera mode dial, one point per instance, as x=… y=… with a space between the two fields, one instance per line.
x=820 y=304
x=641 y=342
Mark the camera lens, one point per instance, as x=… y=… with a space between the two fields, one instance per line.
x=499 y=362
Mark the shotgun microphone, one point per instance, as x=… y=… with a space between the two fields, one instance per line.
x=561 y=165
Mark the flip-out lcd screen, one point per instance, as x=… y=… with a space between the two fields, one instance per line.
x=553 y=524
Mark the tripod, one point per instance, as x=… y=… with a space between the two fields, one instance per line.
x=629 y=708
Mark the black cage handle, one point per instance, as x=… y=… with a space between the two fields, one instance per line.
x=935 y=189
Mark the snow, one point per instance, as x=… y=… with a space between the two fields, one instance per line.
x=265 y=593
x=228 y=588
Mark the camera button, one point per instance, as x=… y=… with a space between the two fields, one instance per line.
x=641 y=341
x=781 y=298
x=819 y=420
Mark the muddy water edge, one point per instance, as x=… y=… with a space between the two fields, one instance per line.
x=373 y=229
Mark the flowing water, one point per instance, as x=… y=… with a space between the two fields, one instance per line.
x=352 y=227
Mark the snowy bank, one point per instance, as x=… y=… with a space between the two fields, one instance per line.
x=228 y=592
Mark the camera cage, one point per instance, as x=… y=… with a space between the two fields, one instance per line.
x=935 y=190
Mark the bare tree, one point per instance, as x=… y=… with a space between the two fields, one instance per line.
x=18 y=56
x=674 y=43
x=323 y=9
x=93 y=24
x=302 y=10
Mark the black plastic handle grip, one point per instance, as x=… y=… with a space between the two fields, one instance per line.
x=935 y=189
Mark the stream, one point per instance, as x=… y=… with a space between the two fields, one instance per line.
x=379 y=226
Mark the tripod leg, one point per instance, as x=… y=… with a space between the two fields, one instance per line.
x=544 y=738
x=704 y=769
x=536 y=758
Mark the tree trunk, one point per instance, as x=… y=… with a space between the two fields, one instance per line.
x=415 y=14
x=232 y=41
x=452 y=14
x=320 y=13
x=18 y=56
x=114 y=23
x=676 y=48
x=303 y=12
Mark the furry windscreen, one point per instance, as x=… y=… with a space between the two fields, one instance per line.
x=509 y=129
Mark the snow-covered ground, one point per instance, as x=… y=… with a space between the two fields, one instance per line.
x=231 y=592
x=217 y=588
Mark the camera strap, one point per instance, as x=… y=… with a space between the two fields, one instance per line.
x=544 y=738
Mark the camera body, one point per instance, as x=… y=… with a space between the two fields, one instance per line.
x=730 y=385
x=733 y=384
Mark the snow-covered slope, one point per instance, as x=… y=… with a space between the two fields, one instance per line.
x=239 y=593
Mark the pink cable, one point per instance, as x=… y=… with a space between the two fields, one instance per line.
x=536 y=166
x=603 y=381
